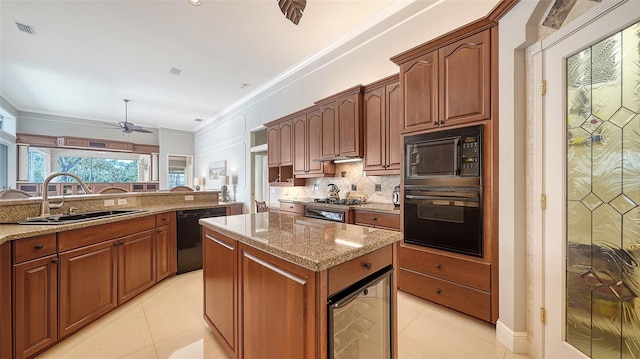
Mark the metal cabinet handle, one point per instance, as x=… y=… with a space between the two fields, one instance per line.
x=438 y=265
x=54 y=260
x=367 y=265
x=438 y=291
x=38 y=246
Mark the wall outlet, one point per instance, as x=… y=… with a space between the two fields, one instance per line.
x=188 y=197
x=378 y=187
x=122 y=201
x=354 y=187
x=343 y=174
x=109 y=202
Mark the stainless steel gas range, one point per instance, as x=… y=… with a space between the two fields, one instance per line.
x=336 y=210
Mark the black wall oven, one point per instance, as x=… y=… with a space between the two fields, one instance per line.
x=443 y=190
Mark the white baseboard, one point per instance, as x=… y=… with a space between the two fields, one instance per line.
x=516 y=342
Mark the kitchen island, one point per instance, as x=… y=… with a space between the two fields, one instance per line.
x=268 y=278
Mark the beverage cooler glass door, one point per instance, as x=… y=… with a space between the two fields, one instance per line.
x=360 y=319
x=448 y=221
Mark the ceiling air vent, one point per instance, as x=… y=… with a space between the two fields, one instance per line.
x=27 y=29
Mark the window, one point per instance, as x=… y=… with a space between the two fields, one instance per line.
x=4 y=167
x=177 y=171
x=1 y=118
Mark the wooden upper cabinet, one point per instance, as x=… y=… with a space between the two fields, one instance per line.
x=273 y=145
x=419 y=81
x=382 y=114
x=342 y=127
x=350 y=125
x=300 y=155
x=465 y=80
x=330 y=147
x=446 y=86
x=286 y=133
x=314 y=145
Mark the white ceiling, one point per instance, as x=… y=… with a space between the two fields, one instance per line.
x=89 y=55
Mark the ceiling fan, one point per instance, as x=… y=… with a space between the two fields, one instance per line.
x=126 y=126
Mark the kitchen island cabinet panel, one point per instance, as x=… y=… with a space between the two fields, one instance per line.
x=36 y=305
x=6 y=301
x=220 y=273
x=87 y=285
x=166 y=260
x=278 y=307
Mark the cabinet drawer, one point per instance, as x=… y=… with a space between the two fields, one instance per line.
x=31 y=248
x=292 y=207
x=461 y=298
x=470 y=273
x=95 y=234
x=345 y=274
x=376 y=219
x=164 y=219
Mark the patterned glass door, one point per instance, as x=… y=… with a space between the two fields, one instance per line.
x=603 y=197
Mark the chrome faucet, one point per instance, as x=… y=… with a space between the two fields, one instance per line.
x=45 y=206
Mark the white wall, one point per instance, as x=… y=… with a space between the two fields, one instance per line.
x=8 y=138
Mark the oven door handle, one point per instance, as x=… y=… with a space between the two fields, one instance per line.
x=441 y=198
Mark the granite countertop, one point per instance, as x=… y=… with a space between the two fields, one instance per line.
x=311 y=243
x=372 y=207
x=9 y=232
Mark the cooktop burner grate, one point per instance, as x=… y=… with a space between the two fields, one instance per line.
x=345 y=202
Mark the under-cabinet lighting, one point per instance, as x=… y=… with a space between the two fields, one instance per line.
x=348 y=160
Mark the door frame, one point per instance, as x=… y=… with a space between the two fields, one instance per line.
x=545 y=146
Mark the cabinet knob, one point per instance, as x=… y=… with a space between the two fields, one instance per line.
x=435 y=122
x=367 y=265
x=38 y=246
x=374 y=218
x=438 y=291
x=54 y=260
x=438 y=266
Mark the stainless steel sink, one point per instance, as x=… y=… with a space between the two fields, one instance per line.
x=78 y=217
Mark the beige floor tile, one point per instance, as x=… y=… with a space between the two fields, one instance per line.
x=106 y=339
x=197 y=343
x=411 y=308
x=146 y=353
x=174 y=317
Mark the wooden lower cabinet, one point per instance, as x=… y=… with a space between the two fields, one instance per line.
x=220 y=273
x=453 y=281
x=136 y=264
x=36 y=306
x=278 y=307
x=377 y=220
x=87 y=285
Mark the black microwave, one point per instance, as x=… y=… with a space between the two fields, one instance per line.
x=449 y=153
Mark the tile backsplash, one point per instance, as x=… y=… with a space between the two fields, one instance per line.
x=353 y=175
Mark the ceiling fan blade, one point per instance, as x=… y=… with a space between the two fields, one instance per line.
x=292 y=9
x=140 y=129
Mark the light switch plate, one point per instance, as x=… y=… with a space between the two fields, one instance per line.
x=122 y=201
x=109 y=202
x=188 y=198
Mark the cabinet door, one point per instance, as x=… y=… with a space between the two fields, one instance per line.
x=286 y=132
x=220 y=287
x=419 y=81
x=375 y=130
x=165 y=252
x=394 y=121
x=136 y=264
x=349 y=125
x=278 y=307
x=329 y=131
x=465 y=80
x=314 y=143
x=273 y=146
x=36 y=305
x=299 y=145
x=87 y=285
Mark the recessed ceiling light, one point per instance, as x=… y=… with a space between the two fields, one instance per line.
x=195 y=2
x=243 y=85
x=197 y=119
x=175 y=71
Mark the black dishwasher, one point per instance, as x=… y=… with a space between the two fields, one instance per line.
x=190 y=236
